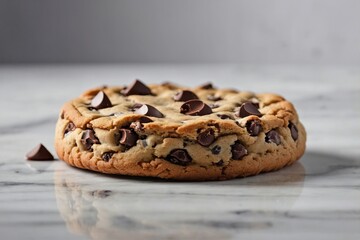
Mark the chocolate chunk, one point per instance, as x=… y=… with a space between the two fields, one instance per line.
x=136 y=88
x=92 y=109
x=128 y=137
x=207 y=85
x=69 y=128
x=88 y=139
x=216 y=150
x=149 y=110
x=254 y=127
x=185 y=95
x=206 y=138
x=294 y=131
x=248 y=109
x=179 y=157
x=212 y=97
x=39 y=153
x=223 y=116
x=107 y=156
x=273 y=137
x=101 y=100
x=195 y=108
x=238 y=151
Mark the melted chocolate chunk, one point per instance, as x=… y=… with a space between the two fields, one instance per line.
x=238 y=151
x=136 y=88
x=195 y=108
x=248 y=109
x=107 y=156
x=273 y=137
x=69 y=128
x=100 y=101
x=254 y=127
x=128 y=137
x=185 y=95
x=206 y=138
x=149 y=110
x=294 y=131
x=179 y=157
x=88 y=139
x=216 y=150
x=39 y=153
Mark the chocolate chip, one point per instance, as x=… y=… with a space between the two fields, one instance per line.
x=101 y=100
x=144 y=143
x=238 y=151
x=216 y=150
x=136 y=88
x=128 y=137
x=294 y=131
x=212 y=97
x=207 y=85
x=224 y=116
x=145 y=120
x=149 y=110
x=254 y=127
x=88 y=139
x=248 y=109
x=185 y=95
x=69 y=128
x=39 y=153
x=138 y=125
x=256 y=104
x=179 y=157
x=92 y=109
x=136 y=106
x=273 y=137
x=214 y=105
x=206 y=138
x=220 y=163
x=107 y=156
x=195 y=108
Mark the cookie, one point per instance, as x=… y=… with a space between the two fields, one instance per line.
x=172 y=132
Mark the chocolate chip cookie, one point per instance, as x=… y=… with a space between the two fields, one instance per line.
x=172 y=132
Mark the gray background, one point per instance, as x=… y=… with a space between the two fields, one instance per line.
x=186 y=31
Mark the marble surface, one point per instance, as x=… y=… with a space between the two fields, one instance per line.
x=317 y=198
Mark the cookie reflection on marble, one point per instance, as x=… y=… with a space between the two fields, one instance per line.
x=102 y=206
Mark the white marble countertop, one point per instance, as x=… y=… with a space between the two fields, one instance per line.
x=317 y=198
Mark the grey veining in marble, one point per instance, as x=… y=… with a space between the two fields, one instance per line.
x=316 y=198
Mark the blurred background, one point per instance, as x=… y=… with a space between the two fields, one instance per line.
x=324 y=32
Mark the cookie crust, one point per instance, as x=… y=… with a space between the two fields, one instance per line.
x=157 y=139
